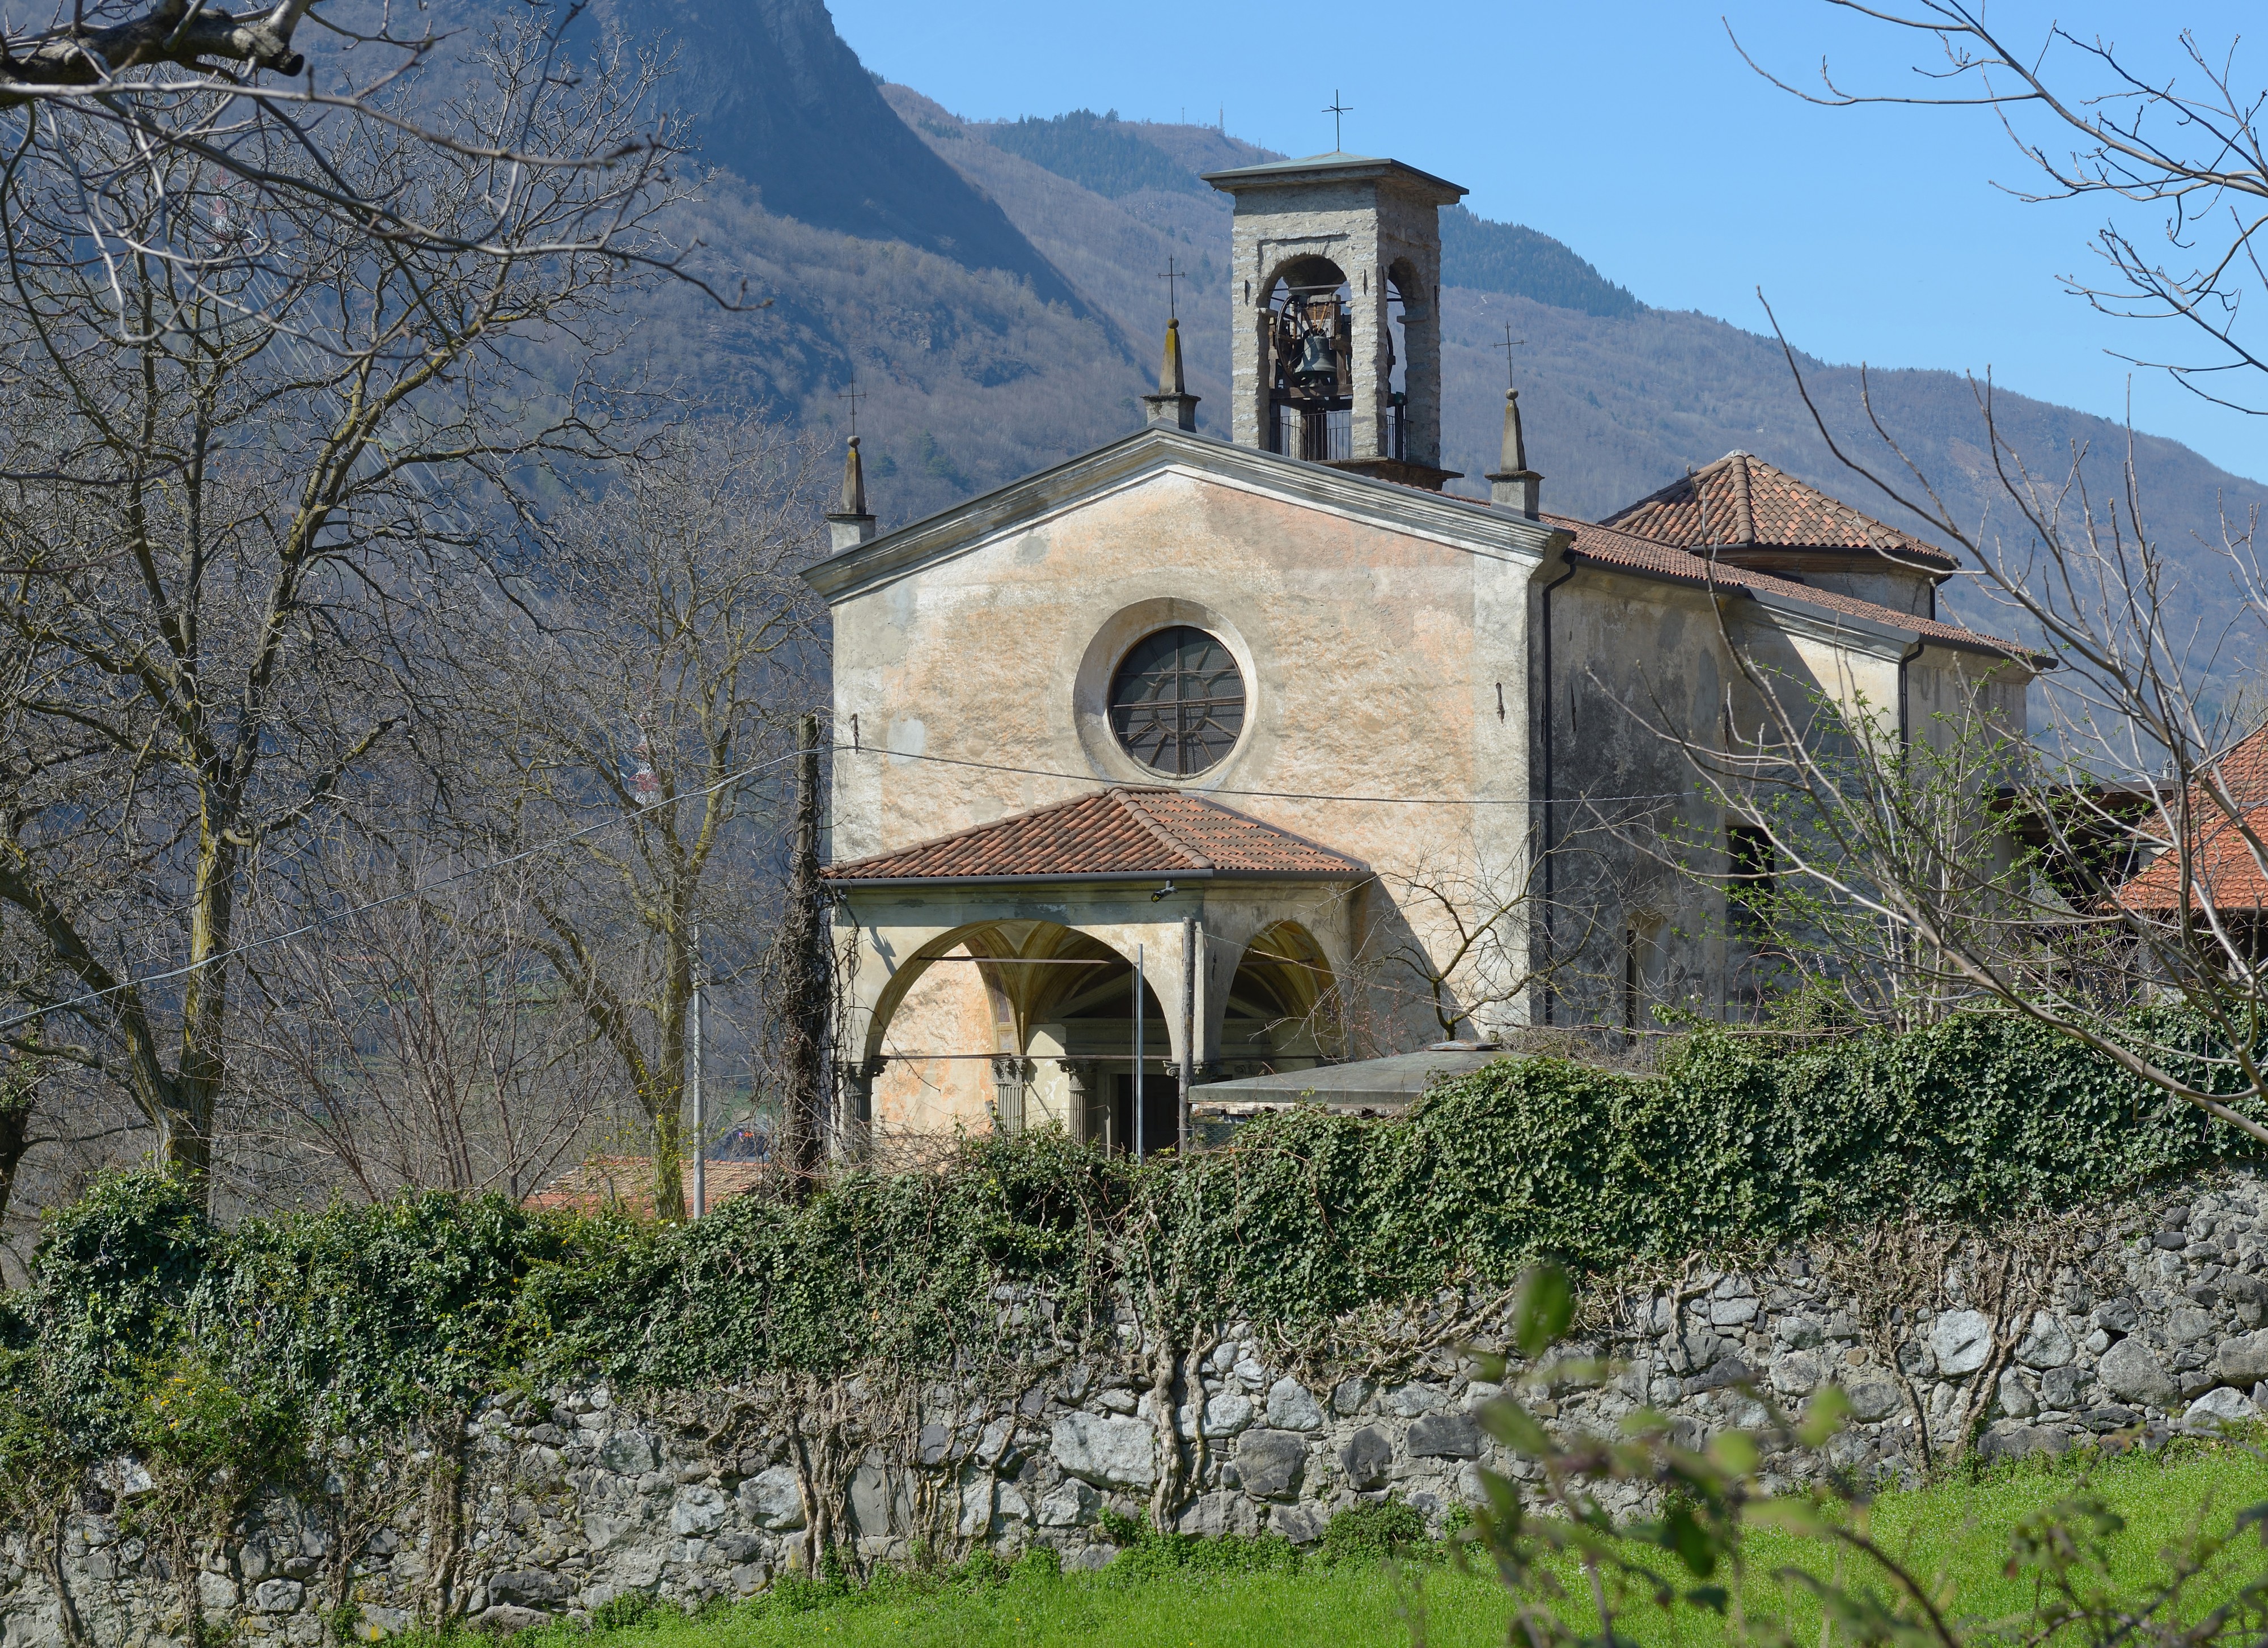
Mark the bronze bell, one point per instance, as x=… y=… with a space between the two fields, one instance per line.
x=1317 y=360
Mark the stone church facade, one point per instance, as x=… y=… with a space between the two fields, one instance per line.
x=1334 y=763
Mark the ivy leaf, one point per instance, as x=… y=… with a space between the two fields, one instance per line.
x=1514 y=1426
x=1681 y=1532
x=1826 y=1414
x=1546 y=1305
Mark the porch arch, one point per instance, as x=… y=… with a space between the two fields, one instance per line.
x=1010 y=1023
x=1281 y=1008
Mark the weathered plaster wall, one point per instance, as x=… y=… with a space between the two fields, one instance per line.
x=2140 y=1320
x=1356 y=640
x=1639 y=666
x=1901 y=591
x=947 y=1011
x=1397 y=694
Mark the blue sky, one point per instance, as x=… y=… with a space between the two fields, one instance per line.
x=1632 y=130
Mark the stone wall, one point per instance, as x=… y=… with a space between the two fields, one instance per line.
x=2131 y=1323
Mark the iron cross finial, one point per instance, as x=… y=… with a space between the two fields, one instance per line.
x=1508 y=345
x=854 y=395
x=1338 y=112
x=1169 y=278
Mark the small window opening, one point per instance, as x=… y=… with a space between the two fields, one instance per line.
x=1752 y=875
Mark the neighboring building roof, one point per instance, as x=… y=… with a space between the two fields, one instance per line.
x=627 y=1182
x=1620 y=548
x=2224 y=868
x=1338 y=164
x=1118 y=833
x=1377 y=1086
x=1741 y=502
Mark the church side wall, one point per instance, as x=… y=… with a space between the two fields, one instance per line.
x=1636 y=665
x=1639 y=665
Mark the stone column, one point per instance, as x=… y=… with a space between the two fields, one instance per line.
x=1083 y=1104
x=1373 y=339
x=855 y=1117
x=1012 y=1077
x=1421 y=373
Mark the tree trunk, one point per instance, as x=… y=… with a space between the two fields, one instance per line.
x=15 y=1139
x=185 y=1114
x=804 y=984
x=668 y=1150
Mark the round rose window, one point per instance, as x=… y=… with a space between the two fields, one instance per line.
x=1177 y=701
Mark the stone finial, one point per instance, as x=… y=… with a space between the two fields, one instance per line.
x=1173 y=403
x=849 y=525
x=1513 y=484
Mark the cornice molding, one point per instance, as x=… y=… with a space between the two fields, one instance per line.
x=1462 y=524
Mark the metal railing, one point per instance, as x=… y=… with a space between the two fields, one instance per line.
x=1323 y=436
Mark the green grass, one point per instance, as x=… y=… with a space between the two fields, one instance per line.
x=1256 y=1594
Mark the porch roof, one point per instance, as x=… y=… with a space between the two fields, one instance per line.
x=1385 y=1086
x=1116 y=834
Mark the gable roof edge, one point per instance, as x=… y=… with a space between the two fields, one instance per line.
x=1467 y=524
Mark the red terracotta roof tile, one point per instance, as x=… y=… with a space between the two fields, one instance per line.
x=1114 y=832
x=627 y=1182
x=1741 y=502
x=2224 y=866
x=1617 y=546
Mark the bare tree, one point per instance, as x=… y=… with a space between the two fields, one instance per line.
x=120 y=94
x=2093 y=122
x=229 y=500
x=2141 y=879
x=647 y=701
x=1476 y=956
x=19 y=1088
x=419 y=1039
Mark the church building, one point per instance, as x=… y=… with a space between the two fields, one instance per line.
x=1189 y=759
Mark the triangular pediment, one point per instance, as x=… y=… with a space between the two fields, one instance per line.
x=1462 y=522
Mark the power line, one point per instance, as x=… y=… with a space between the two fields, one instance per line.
x=1292 y=795
x=493 y=865
x=329 y=916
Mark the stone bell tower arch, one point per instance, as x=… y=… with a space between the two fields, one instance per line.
x=1314 y=357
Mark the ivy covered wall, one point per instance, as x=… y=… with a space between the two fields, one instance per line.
x=146 y=1330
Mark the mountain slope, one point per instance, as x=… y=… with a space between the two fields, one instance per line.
x=995 y=291
x=777 y=96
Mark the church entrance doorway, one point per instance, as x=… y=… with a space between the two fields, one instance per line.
x=1161 y=1113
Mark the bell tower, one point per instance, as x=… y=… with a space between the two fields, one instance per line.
x=1335 y=293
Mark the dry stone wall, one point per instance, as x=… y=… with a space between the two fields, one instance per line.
x=2129 y=1324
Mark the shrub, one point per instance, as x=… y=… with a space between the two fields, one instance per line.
x=1374 y=1532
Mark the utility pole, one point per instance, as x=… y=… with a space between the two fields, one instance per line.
x=1138 y=1139
x=1189 y=1033
x=804 y=984
x=693 y=1077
